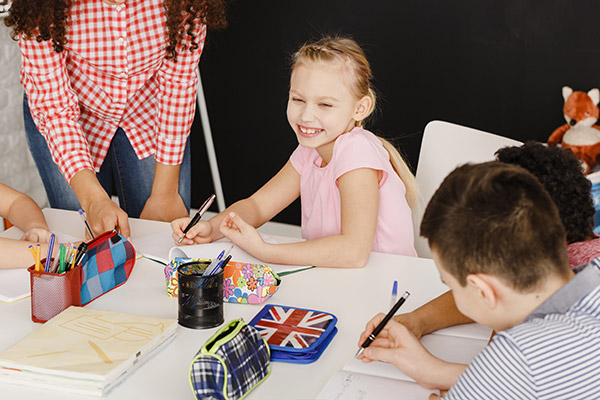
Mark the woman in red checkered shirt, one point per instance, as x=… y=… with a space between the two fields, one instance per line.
x=110 y=97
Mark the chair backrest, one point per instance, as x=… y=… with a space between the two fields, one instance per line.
x=444 y=147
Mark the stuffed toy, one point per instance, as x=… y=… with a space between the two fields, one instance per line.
x=580 y=134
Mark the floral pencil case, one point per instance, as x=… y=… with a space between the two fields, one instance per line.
x=242 y=282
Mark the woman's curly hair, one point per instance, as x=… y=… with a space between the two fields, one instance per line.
x=561 y=174
x=47 y=20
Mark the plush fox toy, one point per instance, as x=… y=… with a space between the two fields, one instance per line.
x=580 y=134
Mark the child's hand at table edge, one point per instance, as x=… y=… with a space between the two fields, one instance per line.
x=242 y=234
x=200 y=233
x=396 y=345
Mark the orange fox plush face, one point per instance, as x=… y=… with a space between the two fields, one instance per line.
x=580 y=134
x=580 y=109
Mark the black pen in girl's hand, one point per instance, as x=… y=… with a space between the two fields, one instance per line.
x=382 y=324
x=198 y=215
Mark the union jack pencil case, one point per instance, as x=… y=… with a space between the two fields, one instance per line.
x=295 y=335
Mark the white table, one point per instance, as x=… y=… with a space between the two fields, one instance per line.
x=353 y=295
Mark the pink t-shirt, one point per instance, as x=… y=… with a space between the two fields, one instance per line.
x=320 y=196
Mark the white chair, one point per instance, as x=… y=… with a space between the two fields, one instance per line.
x=444 y=147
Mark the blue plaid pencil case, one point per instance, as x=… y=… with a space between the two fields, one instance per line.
x=231 y=363
x=106 y=265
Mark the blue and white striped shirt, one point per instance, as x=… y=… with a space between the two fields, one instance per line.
x=553 y=354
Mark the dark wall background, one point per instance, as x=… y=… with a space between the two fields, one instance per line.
x=498 y=66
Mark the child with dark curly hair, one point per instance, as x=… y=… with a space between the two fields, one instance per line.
x=110 y=97
x=561 y=174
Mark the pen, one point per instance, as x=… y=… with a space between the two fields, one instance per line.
x=49 y=257
x=222 y=265
x=213 y=263
x=223 y=261
x=81 y=250
x=82 y=214
x=198 y=215
x=394 y=294
x=382 y=324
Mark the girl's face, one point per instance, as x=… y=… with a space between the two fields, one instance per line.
x=321 y=106
x=114 y=2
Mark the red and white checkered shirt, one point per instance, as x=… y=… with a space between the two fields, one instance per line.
x=112 y=73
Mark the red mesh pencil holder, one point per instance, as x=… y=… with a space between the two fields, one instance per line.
x=52 y=293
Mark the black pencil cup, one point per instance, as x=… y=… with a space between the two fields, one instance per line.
x=200 y=297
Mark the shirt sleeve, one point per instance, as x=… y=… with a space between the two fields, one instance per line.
x=500 y=371
x=54 y=106
x=354 y=151
x=176 y=100
x=298 y=159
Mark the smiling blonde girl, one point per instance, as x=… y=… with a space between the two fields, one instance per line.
x=356 y=190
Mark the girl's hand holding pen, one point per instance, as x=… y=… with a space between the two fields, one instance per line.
x=200 y=233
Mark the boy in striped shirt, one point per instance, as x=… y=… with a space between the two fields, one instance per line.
x=498 y=243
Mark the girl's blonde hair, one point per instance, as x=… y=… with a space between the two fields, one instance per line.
x=357 y=73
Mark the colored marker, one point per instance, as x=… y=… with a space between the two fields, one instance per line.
x=61 y=265
x=73 y=256
x=38 y=251
x=35 y=257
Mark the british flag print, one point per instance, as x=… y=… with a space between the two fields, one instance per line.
x=292 y=327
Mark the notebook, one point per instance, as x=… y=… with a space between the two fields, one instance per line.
x=85 y=351
x=378 y=380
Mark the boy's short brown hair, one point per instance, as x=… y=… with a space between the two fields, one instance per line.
x=497 y=219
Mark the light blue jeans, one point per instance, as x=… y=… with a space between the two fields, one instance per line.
x=121 y=173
